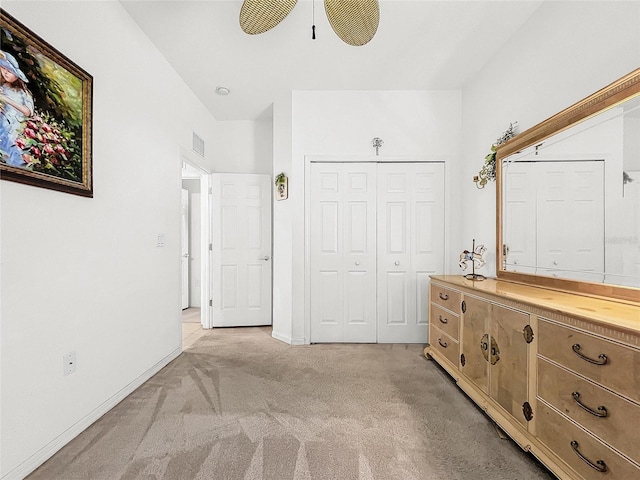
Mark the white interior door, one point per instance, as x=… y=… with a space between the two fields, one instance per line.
x=241 y=249
x=343 y=252
x=410 y=246
x=376 y=234
x=185 y=248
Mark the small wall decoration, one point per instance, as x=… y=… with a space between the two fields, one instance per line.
x=488 y=171
x=475 y=256
x=376 y=143
x=45 y=113
x=282 y=190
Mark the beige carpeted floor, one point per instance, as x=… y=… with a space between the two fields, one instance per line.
x=241 y=405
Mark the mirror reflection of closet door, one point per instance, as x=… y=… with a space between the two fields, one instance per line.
x=571 y=199
x=520 y=217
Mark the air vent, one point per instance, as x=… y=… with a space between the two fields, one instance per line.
x=198 y=145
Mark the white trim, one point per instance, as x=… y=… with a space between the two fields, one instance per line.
x=289 y=340
x=46 y=452
x=308 y=159
x=282 y=338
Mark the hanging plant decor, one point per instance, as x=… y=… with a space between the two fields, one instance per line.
x=488 y=171
x=282 y=186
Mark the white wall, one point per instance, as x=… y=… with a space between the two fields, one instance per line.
x=244 y=147
x=282 y=222
x=82 y=274
x=413 y=124
x=566 y=51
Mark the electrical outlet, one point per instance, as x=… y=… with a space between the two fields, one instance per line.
x=69 y=363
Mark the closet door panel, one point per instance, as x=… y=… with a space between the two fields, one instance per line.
x=343 y=258
x=410 y=204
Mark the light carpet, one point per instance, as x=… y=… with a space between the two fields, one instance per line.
x=240 y=405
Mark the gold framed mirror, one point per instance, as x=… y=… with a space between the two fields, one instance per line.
x=568 y=198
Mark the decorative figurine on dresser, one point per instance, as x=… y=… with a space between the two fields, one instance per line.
x=476 y=257
x=551 y=352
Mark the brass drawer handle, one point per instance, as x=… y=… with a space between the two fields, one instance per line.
x=443 y=296
x=602 y=411
x=443 y=345
x=602 y=356
x=443 y=320
x=600 y=466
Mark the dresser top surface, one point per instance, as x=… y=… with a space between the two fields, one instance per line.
x=621 y=315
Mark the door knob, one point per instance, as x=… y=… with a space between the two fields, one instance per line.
x=357 y=263
x=265 y=258
x=186 y=255
x=397 y=263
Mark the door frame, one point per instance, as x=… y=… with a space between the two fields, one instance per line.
x=309 y=159
x=199 y=171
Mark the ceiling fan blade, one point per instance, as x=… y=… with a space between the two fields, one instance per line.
x=354 y=21
x=258 y=16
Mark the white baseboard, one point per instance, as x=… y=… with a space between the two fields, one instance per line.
x=46 y=452
x=289 y=340
x=282 y=338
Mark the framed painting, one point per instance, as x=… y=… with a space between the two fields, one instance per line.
x=45 y=113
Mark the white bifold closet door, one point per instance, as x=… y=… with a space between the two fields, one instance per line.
x=410 y=245
x=343 y=252
x=377 y=233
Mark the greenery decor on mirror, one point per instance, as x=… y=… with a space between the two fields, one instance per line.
x=488 y=171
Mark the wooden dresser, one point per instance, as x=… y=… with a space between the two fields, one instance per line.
x=558 y=372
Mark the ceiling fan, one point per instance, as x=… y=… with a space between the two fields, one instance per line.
x=354 y=21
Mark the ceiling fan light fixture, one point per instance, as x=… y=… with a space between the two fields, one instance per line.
x=354 y=21
x=259 y=16
x=222 y=91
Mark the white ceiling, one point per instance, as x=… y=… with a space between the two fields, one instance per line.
x=420 y=45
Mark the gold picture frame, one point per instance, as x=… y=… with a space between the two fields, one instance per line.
x=45 y=113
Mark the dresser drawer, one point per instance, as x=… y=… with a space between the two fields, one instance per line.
x=444 y=320
x=618 y=424
x=558 y=433
x=444 y=344
x=444 y=297
x=620 y=365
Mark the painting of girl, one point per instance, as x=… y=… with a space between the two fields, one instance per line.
x=45 y=113
x=16 y=106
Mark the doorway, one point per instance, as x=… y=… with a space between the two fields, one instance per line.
x=195 y=254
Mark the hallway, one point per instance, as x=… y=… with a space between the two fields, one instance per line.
x=191 y=328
